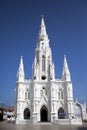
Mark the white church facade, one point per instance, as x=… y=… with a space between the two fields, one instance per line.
x=44 y=98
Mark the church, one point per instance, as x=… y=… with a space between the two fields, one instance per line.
x=45 y=98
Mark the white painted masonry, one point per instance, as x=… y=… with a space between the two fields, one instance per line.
x=44 y=98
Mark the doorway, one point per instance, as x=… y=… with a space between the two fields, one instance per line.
x=61 y=114
x=26 y=113
x=44 y=114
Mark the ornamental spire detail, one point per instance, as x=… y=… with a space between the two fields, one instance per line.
x=66 y=73
x=42 y=32
x=42 y=28
x=20 y=73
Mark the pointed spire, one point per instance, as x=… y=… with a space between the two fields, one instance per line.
x=42 y=21
x=42 y=31
x=66 y=73
x=20 y=73
x=21 y=66
x=65 y=64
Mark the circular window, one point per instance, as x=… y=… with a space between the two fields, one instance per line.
x=43 y=77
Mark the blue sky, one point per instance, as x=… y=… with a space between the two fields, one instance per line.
x=66 y=23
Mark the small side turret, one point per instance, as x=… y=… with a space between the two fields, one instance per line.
x=20 y=73
x=66 y=73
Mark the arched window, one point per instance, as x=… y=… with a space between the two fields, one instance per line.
x=27 y=95
x=60 y=94
x=43 y=63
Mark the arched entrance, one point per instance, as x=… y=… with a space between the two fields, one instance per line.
x=61 y=114
x=26 y=113
x=44 y=114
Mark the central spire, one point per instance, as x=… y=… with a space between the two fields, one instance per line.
x=42 y=27
x=43 y=67
x=42 y=32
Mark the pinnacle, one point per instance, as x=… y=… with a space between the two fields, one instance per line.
x=65 y=59
x=65 y=62
x=21 y=57
x=21 y=60
x=42 y=31
x=66 y=69
x=42 y=16
x=43 y=34
x=42 y=22
x=64 y=56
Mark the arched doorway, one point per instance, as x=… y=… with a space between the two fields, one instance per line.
x=61 y=114
x=44 y=114
x=26 y=113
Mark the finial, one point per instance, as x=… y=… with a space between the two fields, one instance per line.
x=64 y=56
x=21 y=56
x=42 y=16
x=21 y=59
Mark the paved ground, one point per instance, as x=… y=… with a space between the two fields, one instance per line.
x=46 y=126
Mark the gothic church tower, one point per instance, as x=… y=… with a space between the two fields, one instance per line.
x=43 y=67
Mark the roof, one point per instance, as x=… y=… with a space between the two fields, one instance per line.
x=9 y=108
